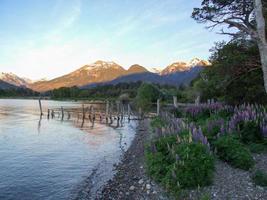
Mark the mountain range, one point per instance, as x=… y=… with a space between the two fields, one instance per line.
x=102 y=72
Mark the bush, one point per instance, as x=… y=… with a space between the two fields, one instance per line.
x=193 y=168
x=200 y=116
x=257 y=148
x=179 y=165
x=250 y=132
x=225 y=114
x=211 y=129
x=176 y=112
x=157 y=122
x=235 y=153
x=146 y=95
x=260 y=178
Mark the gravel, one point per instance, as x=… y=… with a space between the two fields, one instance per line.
x=235 y=184
x=131 y=181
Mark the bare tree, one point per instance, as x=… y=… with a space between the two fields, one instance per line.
x=242 y=17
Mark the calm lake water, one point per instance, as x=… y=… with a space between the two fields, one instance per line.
x=54 y=159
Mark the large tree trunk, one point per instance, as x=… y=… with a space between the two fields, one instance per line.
x=263 y=55
x=261 y=38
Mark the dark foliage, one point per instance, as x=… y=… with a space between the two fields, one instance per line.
x=18 y=92
x=147 y=94
x=229 y=149
x=260 y=178
x=235 y=75
x=250 y=133
x=179 y=165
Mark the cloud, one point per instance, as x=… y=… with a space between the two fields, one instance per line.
x=152 y=33
x=66 y=19
x=74 y=14
x=151 y=16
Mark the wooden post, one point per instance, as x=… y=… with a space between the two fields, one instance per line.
x=48 y=113
x=107 y=108
x=118 y=107
x=62 y=113
x=175 y=101
x=93 y=112
x=53 y=114
x=122 y=112
x=83 y=112
x=118 y=121
x=129 y=111
x=197 y=100
x=158 y=107
x=40 y=106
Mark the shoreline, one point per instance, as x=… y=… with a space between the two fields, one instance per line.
x=130 y=180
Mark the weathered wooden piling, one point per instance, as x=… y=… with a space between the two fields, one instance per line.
x=93 y=112
x=118 y=121
x=62 y=113
x=118 y=107
x=107 y=108
x=83 y=113
x=129 y=111
x=53 y=114
x=40 y=106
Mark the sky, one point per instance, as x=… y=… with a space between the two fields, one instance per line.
x=49 y=38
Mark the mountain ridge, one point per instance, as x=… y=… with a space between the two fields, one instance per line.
x=104 y=72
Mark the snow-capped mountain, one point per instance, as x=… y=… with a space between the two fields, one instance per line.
x=155 y=70
x=107 y=71
x=184 y=66
x=14 y=79
x=99 y=71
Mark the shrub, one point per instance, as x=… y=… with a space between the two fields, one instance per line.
x=197 y=114
x=212 y=128
x=257 y=148
x=157 y=122
x=250 y=132
x=179 y=165
x=193 y=166
x=260 y=178
x=176 y=112
x=235 y=153
x=225 y=114
x=146 y=95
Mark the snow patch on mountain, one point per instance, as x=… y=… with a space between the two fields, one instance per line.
x=14 y=79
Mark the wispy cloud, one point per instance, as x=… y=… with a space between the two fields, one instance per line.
x=74 y=14
x=66 y=19
x=151 y=16
x=153 y=33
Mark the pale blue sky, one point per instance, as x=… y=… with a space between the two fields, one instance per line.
x=48 y=38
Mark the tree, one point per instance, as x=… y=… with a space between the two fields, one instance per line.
x=146 y=95
x=235 y=64
x=245 y=16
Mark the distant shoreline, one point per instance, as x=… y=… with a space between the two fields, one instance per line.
x=50 y=99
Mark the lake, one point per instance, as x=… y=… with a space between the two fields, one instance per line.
x=54 y=159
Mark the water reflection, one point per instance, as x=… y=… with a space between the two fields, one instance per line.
x=45 y=158
x=40 y=123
